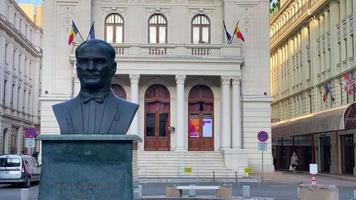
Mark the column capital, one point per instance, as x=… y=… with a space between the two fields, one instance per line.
x=180 y=79
x=236 y=80
x=225 y=80
x=134 y=78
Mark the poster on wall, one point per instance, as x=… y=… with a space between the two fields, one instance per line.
x=207 y=128
x=194 y=127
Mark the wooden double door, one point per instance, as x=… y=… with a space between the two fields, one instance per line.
x=200 y=131
x=201 y=119
x=157 y=119
x=157 y=136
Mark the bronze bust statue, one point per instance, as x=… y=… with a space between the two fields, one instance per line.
x=96 y=110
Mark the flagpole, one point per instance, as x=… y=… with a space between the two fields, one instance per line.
x=90 y=30
x=81 y=36
x=235 y=31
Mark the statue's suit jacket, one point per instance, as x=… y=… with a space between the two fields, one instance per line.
x=118 y=115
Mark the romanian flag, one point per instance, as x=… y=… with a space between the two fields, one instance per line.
x=238 y=33
x=73 y=32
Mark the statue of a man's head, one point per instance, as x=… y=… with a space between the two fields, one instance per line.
x=95 y=65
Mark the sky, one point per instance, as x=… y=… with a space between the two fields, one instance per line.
x=30 y=1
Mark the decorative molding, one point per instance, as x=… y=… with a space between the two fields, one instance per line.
x=134 y=78
x=180 y=79
x=157 y=10
x=236 y=80
x=225 y=80
x=114 y=9
x=68 y=15
x=246 y=17
x=158 y=1
x=206 y=11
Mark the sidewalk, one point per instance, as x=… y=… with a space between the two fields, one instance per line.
x=303 y=177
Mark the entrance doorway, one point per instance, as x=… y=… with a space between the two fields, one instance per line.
x=201 y=119
x=157 y=118
x=347 y=154
x=325 y=153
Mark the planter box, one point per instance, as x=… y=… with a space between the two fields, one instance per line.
x=172 y=192
x=225 y=192
x=317 y=192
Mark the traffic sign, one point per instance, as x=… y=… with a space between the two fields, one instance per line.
x=262 y=146
x=262 y=136
x=30 y=132
x=30 y=142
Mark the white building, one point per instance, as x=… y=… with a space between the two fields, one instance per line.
x=20 y=66
x=202 y=101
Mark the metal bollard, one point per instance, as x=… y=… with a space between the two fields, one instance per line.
x=245 y=191
x=192 y=192
x=298 y=192
x=25 y=194
x=236 y=176
x=139 y=191
x=213 y=176
x=354 y=195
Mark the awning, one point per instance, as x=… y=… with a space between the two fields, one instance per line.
x=335 y=119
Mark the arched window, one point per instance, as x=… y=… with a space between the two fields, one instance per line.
x=157 y=29
x=114 y=28
x=119 y=91
x=200 y=29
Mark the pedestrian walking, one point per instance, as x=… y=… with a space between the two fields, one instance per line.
x=293 y=162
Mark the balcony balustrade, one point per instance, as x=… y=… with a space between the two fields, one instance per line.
x=323 y=42
x=351 y=25
x=172 y=50
x=344 y=64
x=344 y=27
x=328 y=41
x=308 y=51
x=319 y=46
x=338 y=33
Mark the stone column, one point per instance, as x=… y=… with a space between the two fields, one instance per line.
x=134 y=78
x=225 y=113
x=236 y=113
x=180 y=114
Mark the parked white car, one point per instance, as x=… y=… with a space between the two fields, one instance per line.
x=19 y=169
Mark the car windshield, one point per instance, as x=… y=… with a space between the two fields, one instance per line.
x=9 y=162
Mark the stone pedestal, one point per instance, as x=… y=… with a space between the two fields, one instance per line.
x=237 y=160
x=87 y=167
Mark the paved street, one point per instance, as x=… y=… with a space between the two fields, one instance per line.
x=278 y=185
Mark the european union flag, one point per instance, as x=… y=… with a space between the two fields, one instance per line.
x=91 y=32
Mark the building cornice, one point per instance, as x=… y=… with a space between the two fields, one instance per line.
x=14 y=33
x=250 y=98
x=25 y=15
x=296 y=23
x=280 y=11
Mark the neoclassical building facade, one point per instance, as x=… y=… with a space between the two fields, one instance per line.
x=20 y=83
x=202 y=100
x=312 y=60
